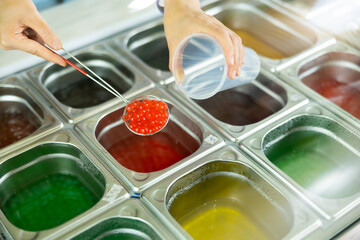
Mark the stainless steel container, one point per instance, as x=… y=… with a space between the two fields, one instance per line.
x=25 y=113
x=336 y=63
x=146 y=47
x=229 y=176
x=307 y=137
x=239 y=112
x=75 y=95
x=129 y=218
x=276 y=35
x=60 y=153
x=184 y=128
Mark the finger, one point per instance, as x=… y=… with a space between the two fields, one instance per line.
x=35 y=48
x=170 y=60
x=174 y=48
x=179 y=75
x=44 y=32
x=242 y=58
x=242 y=53
x=178 y=70
x=226 y=42
x=236 y=44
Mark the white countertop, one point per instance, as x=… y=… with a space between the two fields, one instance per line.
x=83 y=22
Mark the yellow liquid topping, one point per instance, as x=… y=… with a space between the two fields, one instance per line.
x=251 y=41
x=221 y=219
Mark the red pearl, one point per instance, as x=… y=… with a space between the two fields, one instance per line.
x=149 y=115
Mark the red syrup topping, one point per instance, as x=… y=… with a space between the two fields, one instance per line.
x=15 y=126
x=151 y=153
x=345 y=95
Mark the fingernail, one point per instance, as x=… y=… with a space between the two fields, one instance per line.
x=62 y=63
x=56 y=44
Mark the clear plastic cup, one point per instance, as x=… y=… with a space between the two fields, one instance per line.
x=200 y=67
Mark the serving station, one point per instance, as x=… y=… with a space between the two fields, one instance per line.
x=277 y=158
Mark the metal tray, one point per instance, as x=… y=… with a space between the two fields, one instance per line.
x=217 y=145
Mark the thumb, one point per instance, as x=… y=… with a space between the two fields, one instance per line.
x=44 y=33
x=176 y=65
x=35 y=48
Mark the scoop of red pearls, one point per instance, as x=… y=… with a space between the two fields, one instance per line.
x=146 y=116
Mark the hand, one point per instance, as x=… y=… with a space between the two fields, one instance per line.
x=23 y=28
x=185 y=17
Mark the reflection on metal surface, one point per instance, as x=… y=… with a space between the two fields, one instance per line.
x=75 y=90
x=315 y=153
x=341 y=18
x=246 y=104
x=151 y=47
x=308 y=7
x=335 y=76
x=20 y=116
x=54 y=177
x=269 y=32
x=146 y=153
x=120 y=228
x=136 y=5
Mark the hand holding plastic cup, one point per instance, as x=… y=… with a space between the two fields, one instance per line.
x=200 y=67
